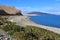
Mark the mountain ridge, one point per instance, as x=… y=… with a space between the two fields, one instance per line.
x=40 y=13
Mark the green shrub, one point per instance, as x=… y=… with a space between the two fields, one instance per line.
x=27 y=33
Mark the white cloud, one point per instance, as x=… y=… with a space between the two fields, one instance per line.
x=27 y=9
x=52 y=10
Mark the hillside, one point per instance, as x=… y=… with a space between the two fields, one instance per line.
x=26 y=33
x=39 y=13
x=9 y=10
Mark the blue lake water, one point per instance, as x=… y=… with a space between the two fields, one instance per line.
x=52 y=20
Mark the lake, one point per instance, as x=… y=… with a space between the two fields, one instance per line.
x=48 y=20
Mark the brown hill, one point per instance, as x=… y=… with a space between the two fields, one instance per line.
x=9 y=10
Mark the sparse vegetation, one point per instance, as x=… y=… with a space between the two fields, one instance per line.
x=27 y=33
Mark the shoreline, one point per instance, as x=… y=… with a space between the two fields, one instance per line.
x=50 y=28
x=25 y=20
x=53 y=29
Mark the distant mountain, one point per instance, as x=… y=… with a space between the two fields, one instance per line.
x=39 y=13
x=9 y=10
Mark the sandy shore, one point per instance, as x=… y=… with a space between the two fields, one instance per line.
x=53 y=29
x=24 y=20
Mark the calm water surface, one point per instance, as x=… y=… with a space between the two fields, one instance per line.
x=47 y=20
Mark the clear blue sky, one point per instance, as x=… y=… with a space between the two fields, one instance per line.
x=49 y=6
